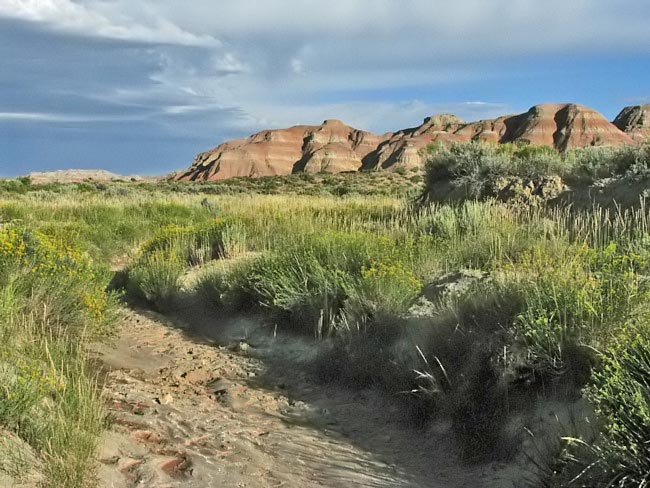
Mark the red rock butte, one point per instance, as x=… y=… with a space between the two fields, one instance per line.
x=336 y=147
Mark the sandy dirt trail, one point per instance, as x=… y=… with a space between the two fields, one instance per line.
x=200 y=409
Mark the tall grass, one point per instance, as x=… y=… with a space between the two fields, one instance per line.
x=52 y=301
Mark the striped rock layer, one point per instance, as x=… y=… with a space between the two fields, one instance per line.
x=336 y=147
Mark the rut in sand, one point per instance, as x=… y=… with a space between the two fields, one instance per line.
x=192 y=408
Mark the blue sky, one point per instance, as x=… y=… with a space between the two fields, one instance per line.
x=141 y=87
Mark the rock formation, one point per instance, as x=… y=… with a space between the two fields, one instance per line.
x=335 y=147
x=564 y=126
x=403 y=148
x=635 y=121
x=332 y=146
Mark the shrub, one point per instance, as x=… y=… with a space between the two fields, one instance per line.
x=382 y=294
x=225 y=284
x=211 y=285
x=308 y=281
x=466 y=345
x=470 y=166
x=52 y=301
x=58 y=278
x=155 y=277
x=191 y=244
x=582 y=297
x=479 y=410
x=606 y=161
x=476 y=167
x=303 y=289
x=620 y=393
x=234 y=242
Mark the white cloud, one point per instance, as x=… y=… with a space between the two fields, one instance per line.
x=101 y=19
x=36 y=116
x=230 y=64
x=280 y=62
x=412 y=28
x=297 y=66
x=65 y=117
x=409 y=29
x=287 y=53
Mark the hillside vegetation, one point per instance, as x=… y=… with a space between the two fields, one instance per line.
x=532 y=174
x=474 y=310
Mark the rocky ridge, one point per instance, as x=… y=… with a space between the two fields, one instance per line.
x=335 y=147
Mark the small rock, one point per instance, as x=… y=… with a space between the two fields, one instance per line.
x=127 y=464
x=148 y=436
x=175 y=465
x=110 y=460
x=166 y=400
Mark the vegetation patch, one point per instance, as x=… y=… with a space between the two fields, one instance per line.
x=472 y=311
x=52 y=302
x=526 y=173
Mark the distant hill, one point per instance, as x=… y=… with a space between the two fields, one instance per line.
x=80 y=175
x=336 y=147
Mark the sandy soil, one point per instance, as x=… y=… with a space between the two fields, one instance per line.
x=216 y=402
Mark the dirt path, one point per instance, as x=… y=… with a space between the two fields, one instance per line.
x=187 y=412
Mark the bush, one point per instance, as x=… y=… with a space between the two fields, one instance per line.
x=155 y=277
x=470 y=166
x=381 y=294
x=479 y=410
x=57 y=278
x=582 y=297
x=52 y=302
x=162 y=261
x=304 y=290
x=224 y=284
x=211 y=285
x=233 y=240
x=467 y=348
x=308 y=281
x=621 y=395
x=193 y=245
x=605 y=162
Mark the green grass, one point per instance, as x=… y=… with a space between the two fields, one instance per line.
x=52 y=301
x=558 y=313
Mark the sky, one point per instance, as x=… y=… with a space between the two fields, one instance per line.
x=140 y=87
